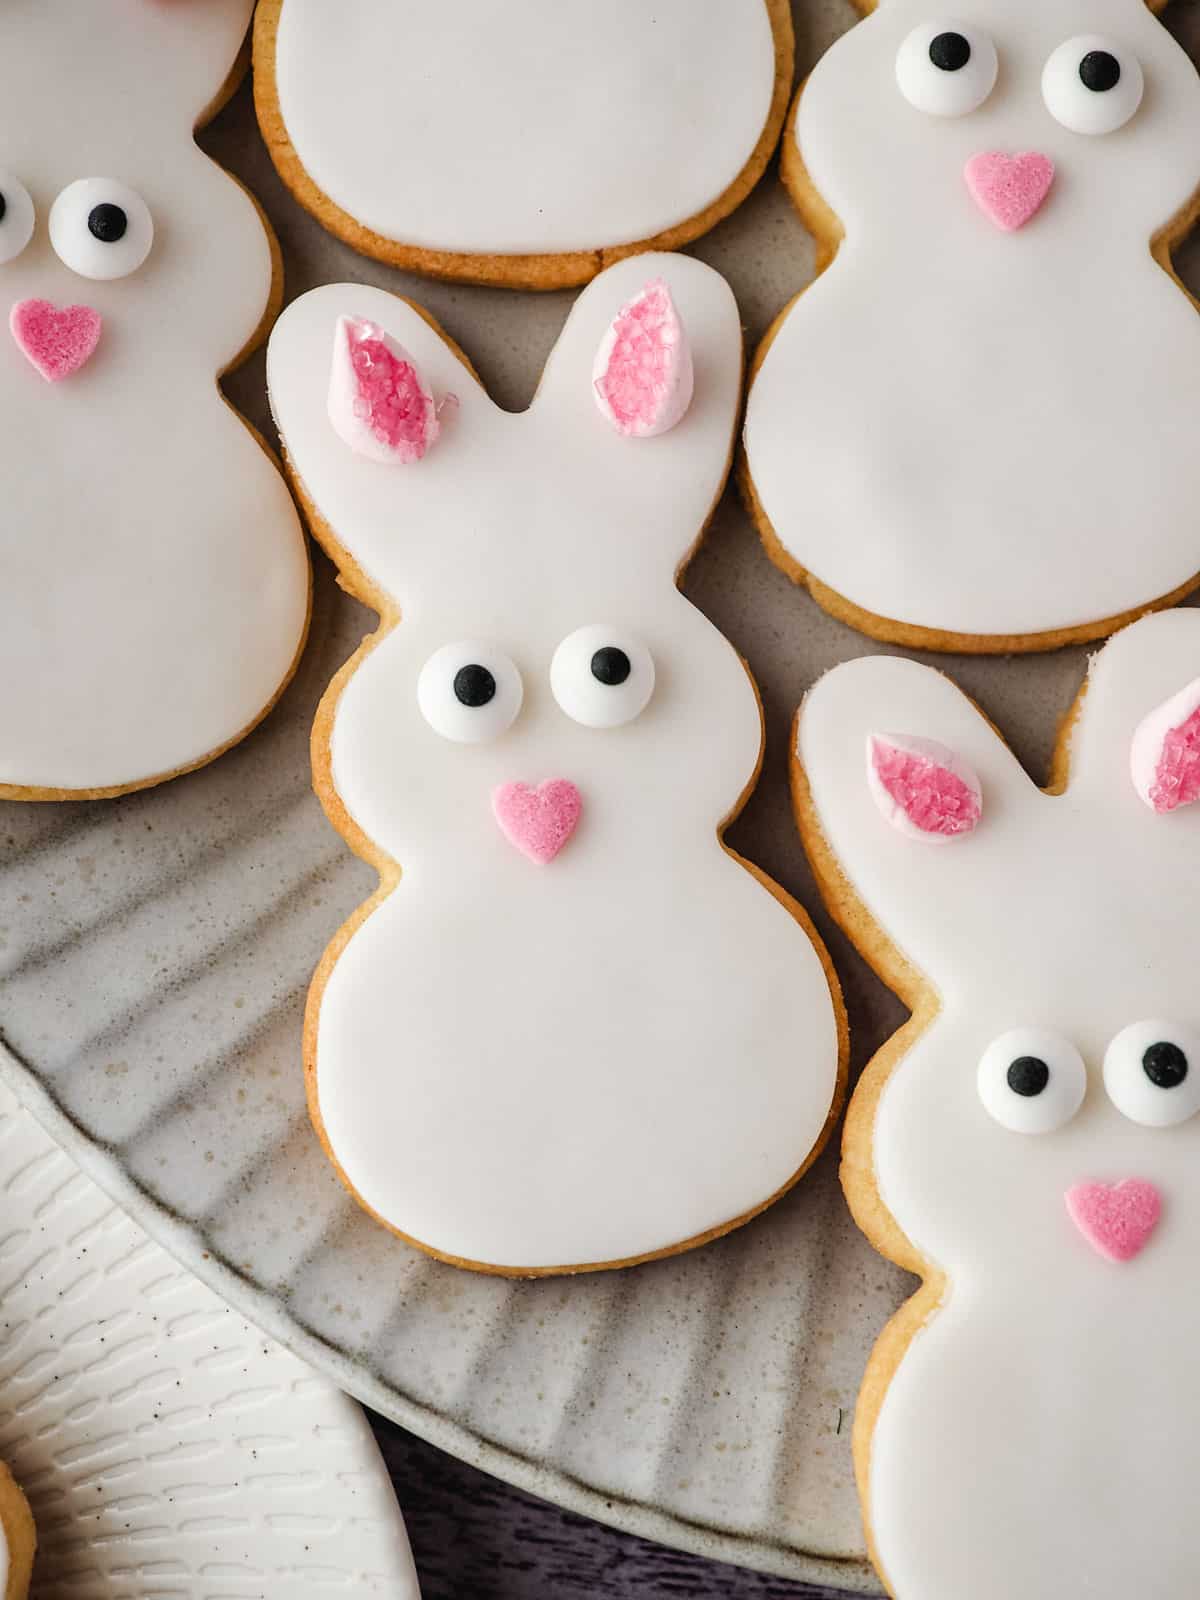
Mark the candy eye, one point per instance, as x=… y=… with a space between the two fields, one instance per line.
x=1092 y=85
x=101 y=228
x=946 y=68
x=16 y=217
x=1032 y=1081
x=469 y=692
x=602 y=677
x=1152 y=1073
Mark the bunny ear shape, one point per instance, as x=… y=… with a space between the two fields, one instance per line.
x=1134 y=748
x=923 y=788
x=494 y=475
x=643 y=375
x=655 y=467
x=870 y=802
x=345 y=432
x=1164 y=756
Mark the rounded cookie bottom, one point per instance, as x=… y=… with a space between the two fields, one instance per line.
x=565 y=270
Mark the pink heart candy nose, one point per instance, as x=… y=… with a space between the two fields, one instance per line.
x=1116 y=1219
x=1009 y=190
x=57 y=341
x=538 y=821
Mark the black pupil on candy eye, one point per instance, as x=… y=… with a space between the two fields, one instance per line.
x=3 y=207
x=474 y=685
x=1028 y=1076
x=1165 y=1065
x=107 y=223
x=950 y=52
x=1099 y=71
x=611 y=666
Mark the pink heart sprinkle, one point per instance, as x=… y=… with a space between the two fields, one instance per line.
x=1009 y=189
x=538 y=821
x=1115 y=1219
x=57 y=342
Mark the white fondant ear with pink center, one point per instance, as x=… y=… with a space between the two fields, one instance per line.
x=379 y=404
x=1164 y=757
x=923 y=788
x=643 y=374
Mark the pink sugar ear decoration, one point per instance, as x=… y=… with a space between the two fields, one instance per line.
x=1009 y=190
x=922 y=788
x=56 y=341
x=643 y=376
x=1116 y=1219
x=538 y=821
x=1164 y=758
x=379 y=404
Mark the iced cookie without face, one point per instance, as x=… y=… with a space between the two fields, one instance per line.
x=153 y=575
x=571 y=1030
x=527 y=145
x=974 y=430
x=1028 y=1144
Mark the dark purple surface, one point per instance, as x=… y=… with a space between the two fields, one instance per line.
x=474 y=1538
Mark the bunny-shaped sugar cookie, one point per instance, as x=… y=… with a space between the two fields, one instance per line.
x=975 y=430
x=1028 y=1144
x=527 y=145
x=153 y=577
x=571 y=1029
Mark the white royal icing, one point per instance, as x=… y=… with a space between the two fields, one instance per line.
x=976 y=431
x=531 y=129
x=1040 y=1426
x=587 y=1056
x=153 y=578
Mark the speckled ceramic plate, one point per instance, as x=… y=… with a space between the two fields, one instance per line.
x=154 y=954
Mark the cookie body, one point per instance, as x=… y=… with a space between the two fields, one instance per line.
x=971 y=432
x=153 y=577
x=1028 y=1143
x=527 y=145
x=572 y=1029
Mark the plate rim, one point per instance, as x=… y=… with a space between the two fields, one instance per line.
x=50 y=1232
x=846 y=1575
